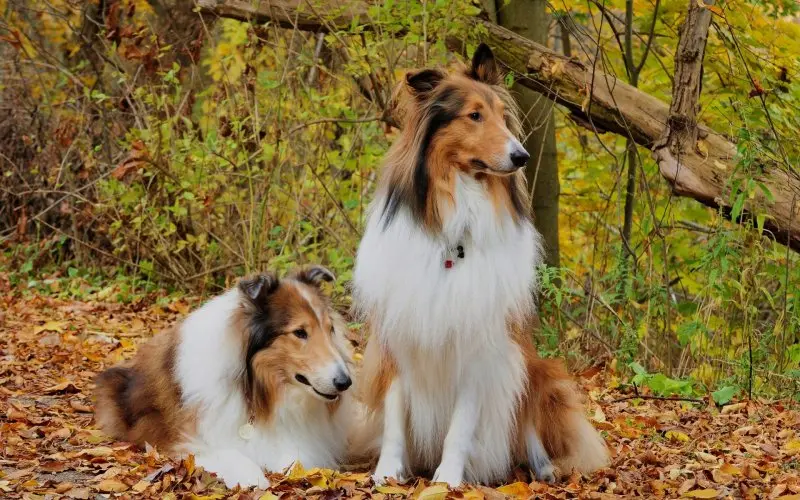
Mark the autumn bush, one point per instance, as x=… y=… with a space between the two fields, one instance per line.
x=135 y=160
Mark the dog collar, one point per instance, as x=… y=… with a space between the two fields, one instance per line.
x=453 y=253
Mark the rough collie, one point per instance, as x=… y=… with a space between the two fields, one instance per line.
x=444 y=280
x=255 y=378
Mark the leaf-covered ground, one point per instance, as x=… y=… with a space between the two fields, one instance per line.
x=50 y=351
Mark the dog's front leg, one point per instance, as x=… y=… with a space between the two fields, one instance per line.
x=393 y=448
x=460 y=437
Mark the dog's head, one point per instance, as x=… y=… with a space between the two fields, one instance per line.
x=292 y=336
x=465 y=118
x=461 y=121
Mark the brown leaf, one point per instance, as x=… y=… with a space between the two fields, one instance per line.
x=706 y=493
x=99 y=451
x=76 y=405
x=770 y=449
x=19 y=474
x=54 y=466
x=112 y=486
x=706 y=457
x=62 y=488
x=62 y=388
x=80 y=493
x=686 y=486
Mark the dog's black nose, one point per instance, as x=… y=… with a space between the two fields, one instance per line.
x=519 y=157
x=342 y=382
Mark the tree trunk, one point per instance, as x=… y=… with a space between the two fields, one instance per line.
x=529 y=18
x=596 y=100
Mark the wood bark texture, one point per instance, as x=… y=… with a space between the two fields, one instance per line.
x=597 y=100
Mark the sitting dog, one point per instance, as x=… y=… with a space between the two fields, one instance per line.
x=253 y=379
x=445 y=278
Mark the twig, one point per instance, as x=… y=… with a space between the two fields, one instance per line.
x=334 y=120
x=658 y=398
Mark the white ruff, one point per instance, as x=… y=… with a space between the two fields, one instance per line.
x=447 y=328
x=209 y=365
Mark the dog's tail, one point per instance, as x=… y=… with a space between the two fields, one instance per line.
x=558 y=414
x=111 y=397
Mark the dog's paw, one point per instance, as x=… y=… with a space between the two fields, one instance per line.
x=388 y=468
x=447 y=473
x=233 y=469
x=546 y=473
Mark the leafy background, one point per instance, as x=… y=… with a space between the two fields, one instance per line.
x=153 y=154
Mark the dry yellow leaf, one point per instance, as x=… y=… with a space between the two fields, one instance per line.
x=706 y=493
x=733 y=408
x=391 y=490
x=50 y=326
x=730 y=469
x=434 y=492
x=677 y=436
x=793 y=446
x=297 y=472
x=140 y=486
x=516 y=490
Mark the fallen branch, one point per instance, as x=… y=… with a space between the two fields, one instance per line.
x=704 y=169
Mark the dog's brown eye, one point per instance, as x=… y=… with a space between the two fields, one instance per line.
x=300 y=334
x=475 y=116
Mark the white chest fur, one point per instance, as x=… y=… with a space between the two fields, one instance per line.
x=401 y=280
x=447 y=326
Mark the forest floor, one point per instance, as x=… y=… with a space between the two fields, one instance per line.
x=51 y=349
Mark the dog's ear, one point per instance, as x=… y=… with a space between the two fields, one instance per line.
x=314 y=275
x=484 y=66
x=259 y=287
x=423 y=82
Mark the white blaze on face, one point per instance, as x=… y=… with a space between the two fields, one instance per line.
x=513 y=150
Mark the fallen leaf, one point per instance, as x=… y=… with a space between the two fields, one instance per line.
x=677 y=436
x=733 y=408
x=706 y=457
x=434 y=492
x=19 y=474
x=686 y=486
x=62 y=388
x=140 y=486
x=770 y=449
x=391 y=490
x=516 y=490
x=80 y=493
x=99 y=451
x=730 y=469
x=50 y=326
x=62 y=488
x=80 y=407
x=112 y=486
x=792 y=446
x=706 y=493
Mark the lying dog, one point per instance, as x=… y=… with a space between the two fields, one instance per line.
x=253 y=379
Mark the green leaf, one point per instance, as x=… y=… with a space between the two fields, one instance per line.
x=724 y=395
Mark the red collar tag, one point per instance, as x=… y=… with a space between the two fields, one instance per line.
x=452 y=253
